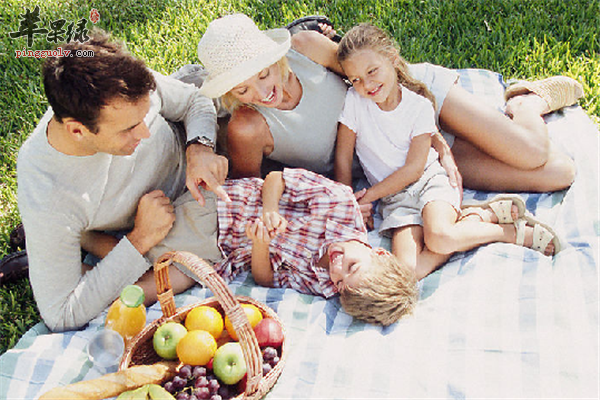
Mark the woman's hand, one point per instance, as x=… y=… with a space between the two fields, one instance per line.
x=447 y=160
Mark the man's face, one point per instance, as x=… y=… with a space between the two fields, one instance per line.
x=121 y=127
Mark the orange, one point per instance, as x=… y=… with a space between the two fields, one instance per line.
x=196 y=348
x=254 y=316
x=205 y=318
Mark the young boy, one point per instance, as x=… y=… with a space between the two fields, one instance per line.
x=299 y=230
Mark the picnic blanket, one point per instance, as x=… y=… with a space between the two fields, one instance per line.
x=500 y=321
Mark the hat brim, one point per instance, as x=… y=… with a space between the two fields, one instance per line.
x=217 y=86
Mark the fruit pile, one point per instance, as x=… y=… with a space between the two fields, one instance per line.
x=207 y=346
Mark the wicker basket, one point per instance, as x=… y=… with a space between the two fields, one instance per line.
x=140 y=350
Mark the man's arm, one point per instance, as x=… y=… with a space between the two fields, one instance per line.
x=183 y=102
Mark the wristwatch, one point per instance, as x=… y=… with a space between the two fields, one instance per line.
x=203 y=140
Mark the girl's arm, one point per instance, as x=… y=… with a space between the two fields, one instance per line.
x=409 y=173
x=344 y=153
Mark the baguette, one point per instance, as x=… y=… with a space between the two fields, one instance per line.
x=111 y=385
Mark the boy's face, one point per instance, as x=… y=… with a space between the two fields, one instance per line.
x=349 y=262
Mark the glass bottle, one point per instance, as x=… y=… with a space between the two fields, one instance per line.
x=127 y=315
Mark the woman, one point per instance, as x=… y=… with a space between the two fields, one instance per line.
x=285 y=103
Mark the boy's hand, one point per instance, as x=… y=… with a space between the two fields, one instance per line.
x=258 y=233
x=274 y=223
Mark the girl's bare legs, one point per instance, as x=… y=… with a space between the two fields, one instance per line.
x=444 y=234
x=495 y=152
x=408 y=246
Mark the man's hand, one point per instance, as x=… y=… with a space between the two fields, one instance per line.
x=153 y=221
x=366 y=208
x=206 y=169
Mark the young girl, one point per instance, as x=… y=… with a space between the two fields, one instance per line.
x=389 y=117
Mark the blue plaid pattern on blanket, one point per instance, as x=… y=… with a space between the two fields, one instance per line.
x=500 y=321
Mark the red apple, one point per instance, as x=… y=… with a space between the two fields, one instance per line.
x=269 y=333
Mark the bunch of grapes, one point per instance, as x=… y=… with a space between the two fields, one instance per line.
x=270 y=359
x=197 y=383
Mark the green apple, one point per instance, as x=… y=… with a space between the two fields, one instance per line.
x=229 y=364
x=166 y=337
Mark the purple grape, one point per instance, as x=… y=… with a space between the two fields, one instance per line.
x=192 y=397
x=202 y=393
x=266 y=368
x=225 y=392
x=274 y=362
x=269 y=353
x=198 y=372
x=201 y=382
x=216 y=397
x=169 y=387
x=185 y=372
x=182 y=396
x=213 y=386
x=179 y=383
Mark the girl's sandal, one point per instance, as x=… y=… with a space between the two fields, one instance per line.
x=543 y=234
x=500 y=204
x=557 y=91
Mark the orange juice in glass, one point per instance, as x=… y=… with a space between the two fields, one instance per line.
x=127 y=315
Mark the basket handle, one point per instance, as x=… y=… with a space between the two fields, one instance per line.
x=208 y=276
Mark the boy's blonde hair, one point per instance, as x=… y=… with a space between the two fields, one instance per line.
x=367 y=36
x=231 y=103
x=385 y=295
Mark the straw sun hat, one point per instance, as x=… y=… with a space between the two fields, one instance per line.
x=233 y=49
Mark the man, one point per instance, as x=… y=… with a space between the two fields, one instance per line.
x=104 y=158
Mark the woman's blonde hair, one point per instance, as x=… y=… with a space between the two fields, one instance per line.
x=385 y=295
x=367 y=36
x=231 y=103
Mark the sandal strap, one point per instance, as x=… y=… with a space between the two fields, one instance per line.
x=541 y=238
x=520 y=228
x=502 y=209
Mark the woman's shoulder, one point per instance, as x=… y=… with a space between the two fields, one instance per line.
x=247 y=123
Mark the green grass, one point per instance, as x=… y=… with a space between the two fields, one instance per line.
x=520 y=39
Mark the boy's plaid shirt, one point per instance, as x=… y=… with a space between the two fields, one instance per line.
x=319 y=212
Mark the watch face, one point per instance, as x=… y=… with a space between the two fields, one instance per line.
x=203 y=140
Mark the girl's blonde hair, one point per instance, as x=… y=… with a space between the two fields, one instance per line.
x=385 y=295
x=367 y=36
x=231 y=103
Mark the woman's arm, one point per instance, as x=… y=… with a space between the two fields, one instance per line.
x=318 y=48
x=344 y=154
x=447 y=159
x=248 y=140
x=409 y=173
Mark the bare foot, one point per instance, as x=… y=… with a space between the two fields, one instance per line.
x=486 y=214
x=528 y=240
